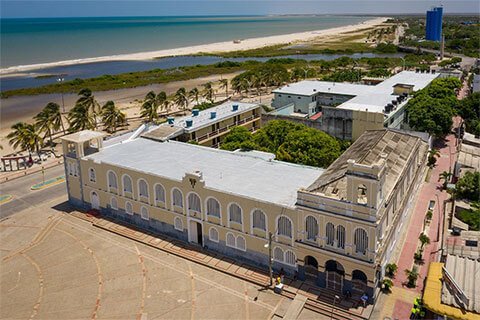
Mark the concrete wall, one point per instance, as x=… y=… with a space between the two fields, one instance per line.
x=363 y=121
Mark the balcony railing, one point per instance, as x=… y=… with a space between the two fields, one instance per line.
x=227 y=128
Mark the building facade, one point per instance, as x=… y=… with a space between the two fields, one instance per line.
x=433 y=26
x=208 y=127
x=335 y=227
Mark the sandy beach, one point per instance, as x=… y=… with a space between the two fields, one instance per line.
x=227 y=46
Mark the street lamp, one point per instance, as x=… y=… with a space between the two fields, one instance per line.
x=269 y=246
x=333 y=308
x=60 y=80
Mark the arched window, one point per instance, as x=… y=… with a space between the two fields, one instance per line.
x=178 y=224
x=235 y=213
x=241 y=244
x=194 y=203
x=230 y=240
x=91 y=175
x=127 y=184
x=213 y=234
x=114 y=203
x=128 y=208
x=362 y=194
x=144 y=213
x=159 y=194
x=290 y=258
x=259 y=220
x=360 y=241
x=341 y=237
x=311 y=226
x=142 y=188
x=278 y=254
x=112 y=180
x=284 y=227
x=330 y=232
x=213 y=208
x=177 y=198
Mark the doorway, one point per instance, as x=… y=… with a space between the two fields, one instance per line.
x=335 y=274
x=94 y=201
x=311 y=268
x=195 y=234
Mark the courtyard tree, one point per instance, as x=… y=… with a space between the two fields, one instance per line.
x=468 y=186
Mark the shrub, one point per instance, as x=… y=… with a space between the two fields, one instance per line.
x=417 y=256
x=412 y=276
x=429 y=215
x=387 y=285
x=391 y=269
x=424 y=239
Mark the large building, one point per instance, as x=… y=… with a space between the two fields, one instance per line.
x=346 y=110
x=335 y=227
x=208 y=127
x=433 y=27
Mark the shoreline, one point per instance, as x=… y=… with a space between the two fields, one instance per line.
x=225 y=46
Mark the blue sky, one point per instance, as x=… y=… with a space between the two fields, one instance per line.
x=86 y=8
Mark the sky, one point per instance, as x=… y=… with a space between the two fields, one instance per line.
x=95 y=8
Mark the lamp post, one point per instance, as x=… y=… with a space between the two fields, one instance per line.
x=269 y=246
x=60 y=80
x=333 y=308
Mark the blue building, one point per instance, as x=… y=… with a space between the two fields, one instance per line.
x=433 y=29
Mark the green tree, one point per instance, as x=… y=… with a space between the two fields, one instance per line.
x=424 y=239
x=429 y=115
x=26 y=137
x=310 y=147
x=194 y=94
x=238 y=138
x=87 y=100
x=43 y=121
x=160 y=99
x=445 y=176
x=208 y=92
x=271 y=136
x=180 y=98
x=469 y=110
x=80 y=118
x=468 y=186
x=149 y=108
x=224 y=85
x=112 y=117
x=391 y=269
x=412 y=276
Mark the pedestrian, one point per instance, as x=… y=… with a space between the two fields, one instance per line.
x=364 y=299
x=282 y=275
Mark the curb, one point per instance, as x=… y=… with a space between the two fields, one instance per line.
x=49 y=183
x=5 y=198
x=19 y=174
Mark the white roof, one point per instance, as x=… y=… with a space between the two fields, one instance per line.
x=244 y=174
x=203 y=119
x=364 y=97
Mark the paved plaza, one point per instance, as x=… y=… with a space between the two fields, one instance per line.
x=56 y=266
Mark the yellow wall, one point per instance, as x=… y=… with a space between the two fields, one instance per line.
x=363 y=121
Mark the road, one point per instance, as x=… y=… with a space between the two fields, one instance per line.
x=24 y=198
x=467 y=62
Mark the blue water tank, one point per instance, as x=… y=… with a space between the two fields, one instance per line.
x=433 y=27
x=213 y=115
x=170 y=120
x=195 y=112
x=189 y=123
x=235 y=107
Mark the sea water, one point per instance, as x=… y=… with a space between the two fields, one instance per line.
x=31 y=41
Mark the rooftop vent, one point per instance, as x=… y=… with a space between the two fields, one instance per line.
x=394 y=102
x=234 y=107
x=170 y=120
x=213 y=115
x=189 y=123
x=314 y=90
x=195 y=112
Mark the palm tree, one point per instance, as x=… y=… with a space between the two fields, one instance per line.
x=224 y=85
x=161 y=97
x=445 y=176
x=112 y=117
x=208 y=92
x=194 y=95
x=166 y=105
x=181 y=99
x=44 y=123
x=80 y=118
x=424 y=239
x=33 y=140
x=87 y=100
x=55 y=115
x=149 y=107
x=17 y=136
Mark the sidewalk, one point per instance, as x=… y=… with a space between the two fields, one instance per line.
x=318 y=299
x=37 y=167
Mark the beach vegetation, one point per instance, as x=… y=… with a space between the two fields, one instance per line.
x=112 y=117
x=25 y=136
x=208 y=92
x=87 y=100
x=194 y=95
x=80 y=118
x=181 y=99
x=223 y=85
x=289 y=142
x=149 y=107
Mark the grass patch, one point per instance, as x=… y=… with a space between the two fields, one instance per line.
x=45 y=76
x=470 y=217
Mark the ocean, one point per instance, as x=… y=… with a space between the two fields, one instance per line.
x=31 y=41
